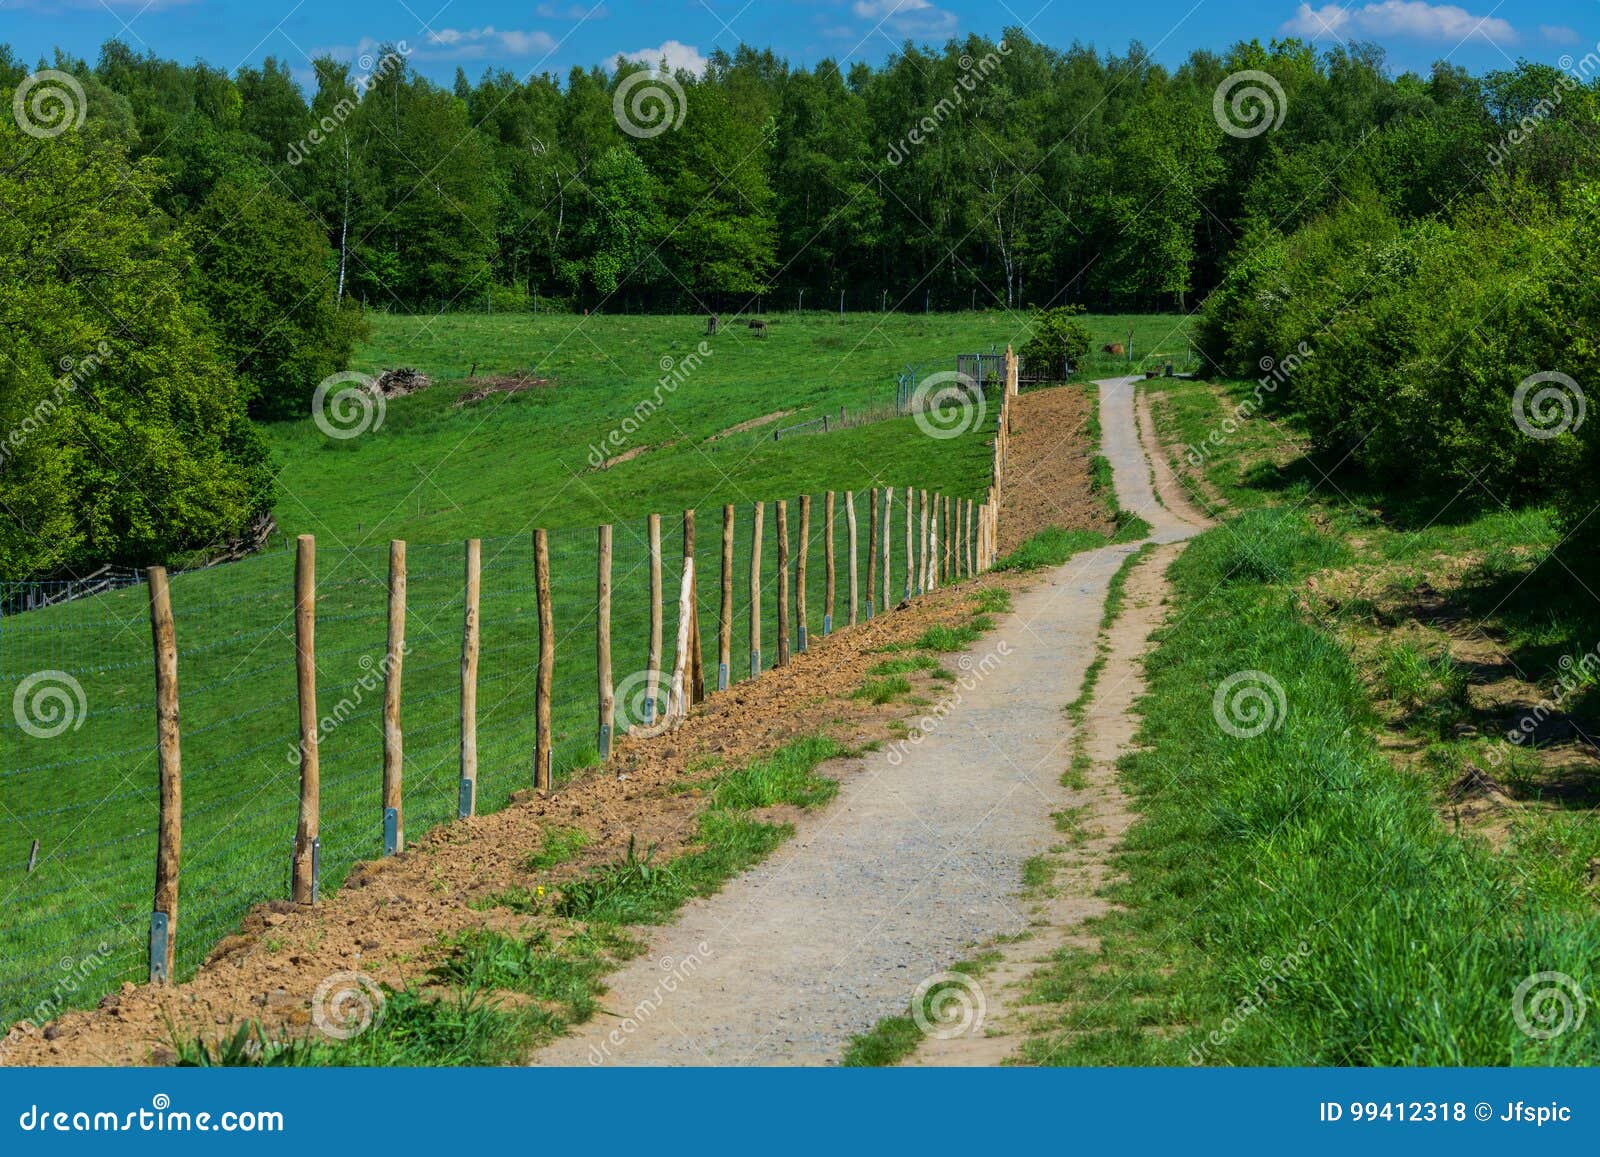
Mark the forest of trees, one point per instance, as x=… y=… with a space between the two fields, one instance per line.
x=217 y=237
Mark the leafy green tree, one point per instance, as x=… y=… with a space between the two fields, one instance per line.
x=267 y=275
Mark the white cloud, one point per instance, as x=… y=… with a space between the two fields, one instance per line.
x=1558 y=33
x=1414 y=18
x=478 y=43
x=675 y=53
x=911 y=17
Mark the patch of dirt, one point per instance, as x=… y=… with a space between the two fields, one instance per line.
x=633 y=452
x=488 y=386
x=398 y=383
x=390 y=918
x=752 y=424
x=1048 y=480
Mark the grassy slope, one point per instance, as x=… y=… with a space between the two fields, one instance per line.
x=1293 y=898
x=491 y=470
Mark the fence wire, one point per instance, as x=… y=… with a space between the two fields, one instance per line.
x=79 y=783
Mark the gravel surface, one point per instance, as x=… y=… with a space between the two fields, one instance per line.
x=917 y=860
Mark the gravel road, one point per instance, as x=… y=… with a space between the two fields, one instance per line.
x=918 y=859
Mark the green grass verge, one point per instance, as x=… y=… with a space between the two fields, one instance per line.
x=1289 y=898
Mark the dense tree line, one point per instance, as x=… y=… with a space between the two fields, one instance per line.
x=250 y=221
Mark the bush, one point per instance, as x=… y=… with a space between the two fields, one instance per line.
x=1057 y=336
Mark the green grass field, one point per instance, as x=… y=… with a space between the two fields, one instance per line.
x=434 y=473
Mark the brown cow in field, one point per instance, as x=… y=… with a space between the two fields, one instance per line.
x=1113 y=348
x=711 y=326
x=759 y=326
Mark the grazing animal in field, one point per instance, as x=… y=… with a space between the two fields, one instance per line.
x=711 y=326
x=1113 y=348
x=759 y=326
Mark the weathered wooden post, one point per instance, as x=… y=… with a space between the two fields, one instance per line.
x=725 y=614
x=697 y=665
x=307 y=842
x=888 y=512
x=911 y=553
x=169 y=838
x=467 y=802
x=800 y=571
x=872 y=552
x=755 y=590
x=543 y=768
x=827 y=597
x=783 y=583
x=602 y=645
x=922 y=546
x=394 y=827
x=850 y=527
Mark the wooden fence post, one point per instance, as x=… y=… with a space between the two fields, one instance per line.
x=933 y=546
x=755 y=590
x=697 y=666
x=677 y=705
x=800 y=571
x=725 y=614
x=911 y=553
x=652 y=678
x=827 y=597
x=394 y=827
x=888 y=511
x=602 y=645
x=949 y=552
x=307 y=840
x=169 y=841
x=467 y=803
x=850 y=526
x=543 y=767
x=972 y=565
x=922 y=547
x=872 y=552
x=783 y=583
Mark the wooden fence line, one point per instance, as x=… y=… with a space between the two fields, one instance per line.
x=946 y=539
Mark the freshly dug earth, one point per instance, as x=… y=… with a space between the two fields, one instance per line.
x=1048 y=479
x=389 y=918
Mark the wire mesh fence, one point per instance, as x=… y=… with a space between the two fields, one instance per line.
x=79 y=785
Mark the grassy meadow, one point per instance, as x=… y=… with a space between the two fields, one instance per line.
x=434 y=473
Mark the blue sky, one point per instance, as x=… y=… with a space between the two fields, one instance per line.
x=553 y=35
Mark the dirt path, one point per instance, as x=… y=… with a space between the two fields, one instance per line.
x=915 y=864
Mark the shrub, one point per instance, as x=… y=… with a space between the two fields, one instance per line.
x=1057 y=336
